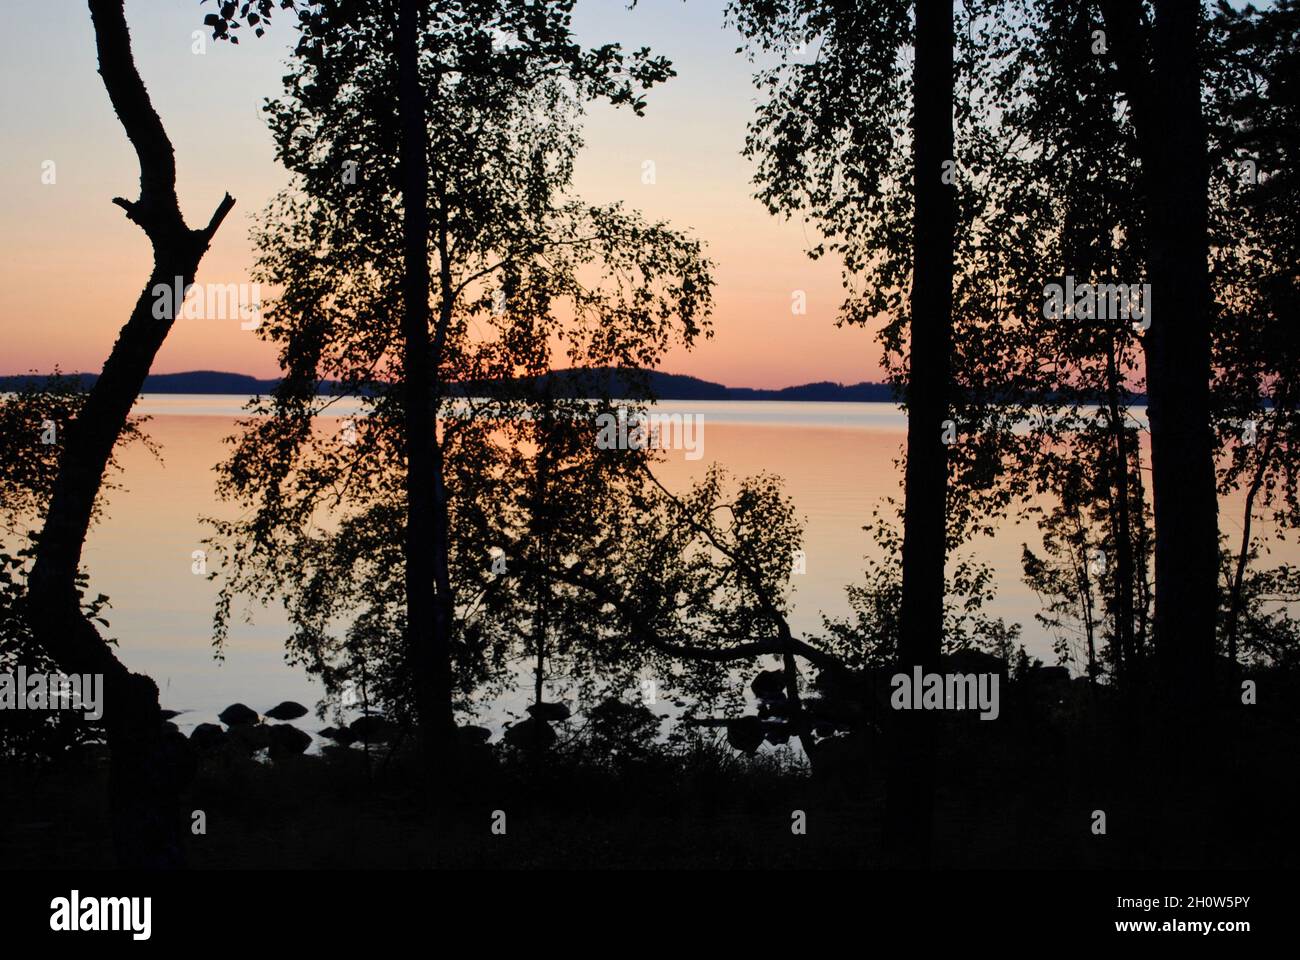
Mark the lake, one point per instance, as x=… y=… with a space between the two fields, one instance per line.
x=838 y=461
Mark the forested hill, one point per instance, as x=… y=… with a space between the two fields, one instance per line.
x=606 y=382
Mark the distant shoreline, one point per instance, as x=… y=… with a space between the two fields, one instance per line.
x=664 y=386
x=573 y=383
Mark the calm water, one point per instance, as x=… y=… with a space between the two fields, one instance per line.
x=838 y=461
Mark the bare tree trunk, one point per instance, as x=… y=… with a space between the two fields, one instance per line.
x=1243 y=554
x=1083 y=584
x=1142 y=540
x=801 y=721
x=145 y=772
x=910 y=805
x=425 y=541
x=1124 y=661
x=541 y=522
x=1164 y=92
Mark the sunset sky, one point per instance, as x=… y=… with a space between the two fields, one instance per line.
x=72 y=264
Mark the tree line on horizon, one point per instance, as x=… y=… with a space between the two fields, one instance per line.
x=609 y=381
x=955 y=158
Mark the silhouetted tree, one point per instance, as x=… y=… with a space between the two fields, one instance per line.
x=520 y=269
x=144 y=769
x=1255 y=181
x=929 y=386
x=1160 y=63
x=1059 y=146
x=32 y=421
x=557 y=493
x=869 y=638
x=1075 y=575
x=697 y=583
x=824 y=139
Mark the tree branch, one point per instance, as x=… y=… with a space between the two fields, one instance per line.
x=158 y=206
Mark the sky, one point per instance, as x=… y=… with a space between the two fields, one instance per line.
x=71 y=265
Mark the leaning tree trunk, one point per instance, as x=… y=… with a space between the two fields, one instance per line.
x=1164 y=91
x=144 y=773
x=910 y=806
x=425 y=547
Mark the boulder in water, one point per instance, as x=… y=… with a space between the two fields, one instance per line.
x=238 y=715
x=288 y=710
x=287 y=740
x=372 y=728
x=549 y=712
x=472 y=736
x=207 y=735
x=250 y=738
x=342 y=736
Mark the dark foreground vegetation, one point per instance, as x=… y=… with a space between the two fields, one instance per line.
x=1016 y=794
